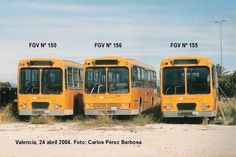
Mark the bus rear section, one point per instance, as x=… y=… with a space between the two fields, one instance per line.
x=188 y=88
x=44 y=87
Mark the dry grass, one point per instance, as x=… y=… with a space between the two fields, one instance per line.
x=98 y=121
x=229 y=109
x=42 y=119
x=92 y=122
x=142 y=120
x=110 y=121
x=7 y=115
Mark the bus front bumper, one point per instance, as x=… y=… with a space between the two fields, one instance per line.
x=111 y=112
x=45 y=112
x=189 y=114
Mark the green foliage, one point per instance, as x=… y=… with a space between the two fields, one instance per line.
x=5 y=84
x=227 y=81
x=228 y=84
x=221 y=71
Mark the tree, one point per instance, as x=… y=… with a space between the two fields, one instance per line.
x=227 y=81
x=228 y=84
x=221 y=71
x=5 y=84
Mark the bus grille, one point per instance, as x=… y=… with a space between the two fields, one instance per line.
x=40 y=105
x=105 y=105
x=186 y=106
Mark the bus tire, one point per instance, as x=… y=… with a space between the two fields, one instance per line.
x=212 y=120
x=140 y=106
x=152 y=102
x=75 y=106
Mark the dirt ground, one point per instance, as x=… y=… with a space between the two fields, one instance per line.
x=160 y=140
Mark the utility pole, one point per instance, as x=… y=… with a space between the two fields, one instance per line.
x=221 y=45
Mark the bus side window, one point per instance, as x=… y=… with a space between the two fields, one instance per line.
x=152 y=79
x=155 y=79
x=80 y=78
x=149 y=79
x=145 y=78
x=73 y=78
x=134 y=76
x=139 y=76
x=66 y=78
x=69 y=74
x=142 y=78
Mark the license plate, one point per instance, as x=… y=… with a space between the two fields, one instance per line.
x=185 y=114
x=111 y=111
x=113 y=108
x=38 y=112
x=107 y=112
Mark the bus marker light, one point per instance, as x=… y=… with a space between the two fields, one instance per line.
x=23 y=106
x=56 y=106
x=87 y=105
x=204 y=106
x=168 y=106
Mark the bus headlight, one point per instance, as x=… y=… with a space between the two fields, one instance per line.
x=205 y=106
x=125 y=105
x=87 y=105
x=23 y=106
x=56 y=106
x=168 y=106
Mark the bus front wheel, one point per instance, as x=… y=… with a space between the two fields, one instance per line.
x=152 y=102
x=140 y=106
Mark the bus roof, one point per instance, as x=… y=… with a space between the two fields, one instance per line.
x=185 y=60
x=121 y=59
x=65 y=62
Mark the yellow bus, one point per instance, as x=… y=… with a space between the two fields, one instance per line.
x=49 y=86
x=118 y=86
x=188 y=87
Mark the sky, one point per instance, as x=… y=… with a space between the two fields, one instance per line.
x=145 y=28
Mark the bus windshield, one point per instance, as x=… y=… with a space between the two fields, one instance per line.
x=29 y=81
x=173 y=81
x=118 y=80
x=52 y=81
x=95 y=80
x=198 y=80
